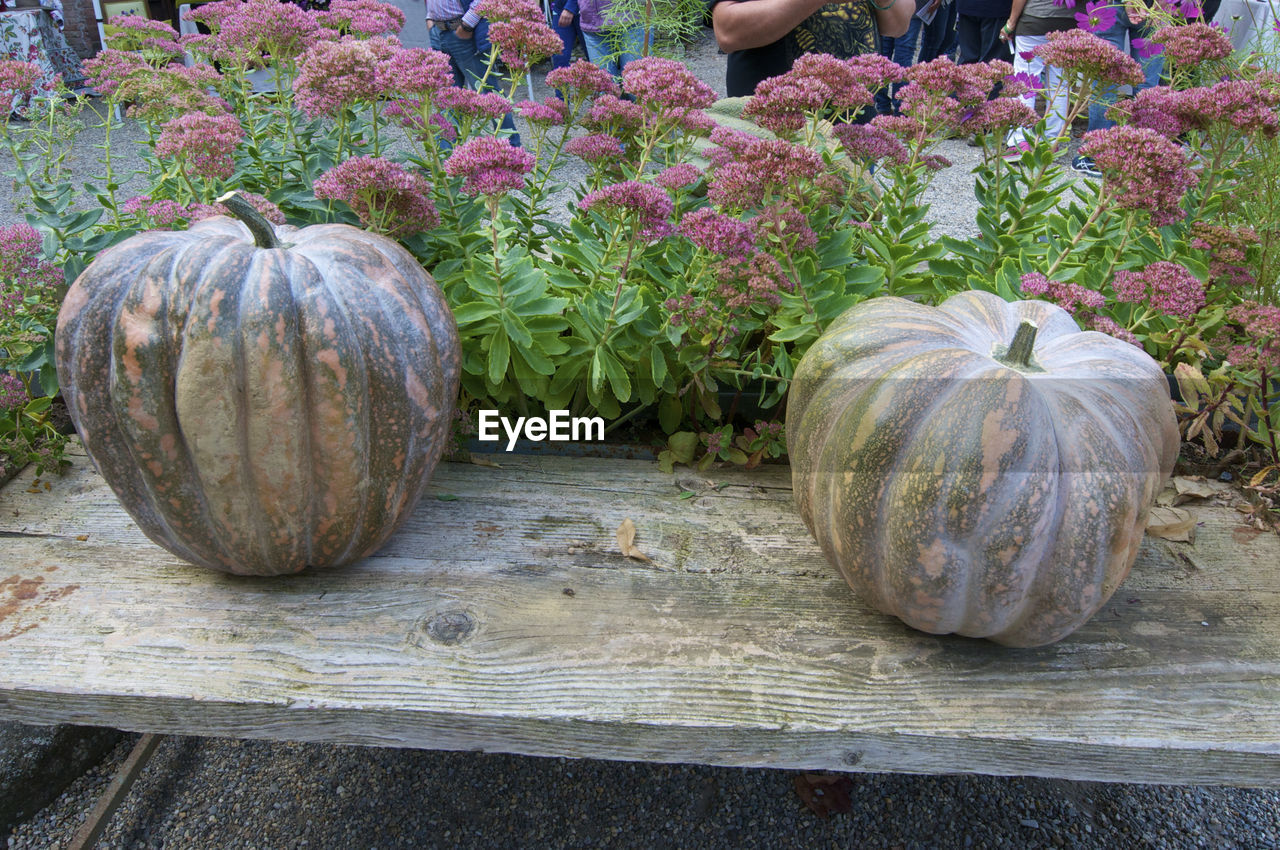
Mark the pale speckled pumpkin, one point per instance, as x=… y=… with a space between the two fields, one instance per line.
x=965 y=494
x=261 y=410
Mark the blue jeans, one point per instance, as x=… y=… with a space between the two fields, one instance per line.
x=600 y=51
x=569 y=37
x=469 y=67
x=937 y=37
x=1124 y=30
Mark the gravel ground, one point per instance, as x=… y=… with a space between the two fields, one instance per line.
x=213 y=793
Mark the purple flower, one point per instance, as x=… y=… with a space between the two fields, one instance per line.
x=678 y=176
x=1031 y=81
x=1192 y=44
x=1098 y=16
x=362 y=17
x=1109 y=326
x=490 y=165
x=595 y=148
x=666 y=83
x=1146 y=48
x=335 y=75
x=1071 y=297
x=13 y=394
x=583 y=78
x=550 y=112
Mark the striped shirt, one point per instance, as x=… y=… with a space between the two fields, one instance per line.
x=447 y=10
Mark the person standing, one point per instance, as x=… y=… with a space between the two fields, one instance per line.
x=453 y=26
x=608 y=44
x=764 y=37
x=978 y=24
x=1028 y=27
x=1130 y=26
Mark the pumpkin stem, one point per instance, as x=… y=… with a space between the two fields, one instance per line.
x=264 y=234
x=1024 y=340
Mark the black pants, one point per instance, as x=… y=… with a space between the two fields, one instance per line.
x=979 y=39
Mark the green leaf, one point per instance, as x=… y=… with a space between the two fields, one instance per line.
x=618 y=379
x=474 y=311
x=446 y=497
x=670 y=413
x=499 y=357
x=657 y=365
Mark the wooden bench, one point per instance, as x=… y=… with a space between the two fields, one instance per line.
x=504 y=618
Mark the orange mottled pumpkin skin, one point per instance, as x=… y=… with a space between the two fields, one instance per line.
x=261 y=411
x=966 y=496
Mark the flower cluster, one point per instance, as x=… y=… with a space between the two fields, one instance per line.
x=1109 y=326
x=13 y=394
x=1260 y=328
x=503 y=11
x=468 y=103
x=269 y=211
x=678 y=176
x=611 y=114
x=873 y=71
x=549 y=113
x=665 y=84
x=784 y=226
x=867 y=141
x=1080 y=52
x=595 y=148
x=583 y=79
x=522 y=43
x=249 y=32
x=761 y=170
x=165 y=213
x=720 y=234
x=156 y=40
x=17 y=77
x=362 y=17
x=1148 y=171
x=106 y=71
x=1164 y=286
x=1191 y=44
x=386 y=196
x=1070 y=296
x=1228 y=249
x=203 y=143
x=758 y=280
x=816 y=84
x=490 y=165
x=417 y=73
x=336 y=75
x=23 y=271
x=645 y=206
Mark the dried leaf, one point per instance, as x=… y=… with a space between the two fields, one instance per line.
x=627 y=541
x=1195 y=487
x=1172 y=524
x=481 y=460
x=825 y=793
x=1167 y=497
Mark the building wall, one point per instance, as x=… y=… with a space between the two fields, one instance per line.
x=82 y=27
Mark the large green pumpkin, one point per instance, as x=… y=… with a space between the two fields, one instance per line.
x=969 y=484
x=260 y=399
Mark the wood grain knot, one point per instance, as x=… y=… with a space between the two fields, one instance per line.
x=450 y=627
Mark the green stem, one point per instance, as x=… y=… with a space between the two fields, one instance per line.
x=264 y=235
x=1103 y=202
x=1018 y=354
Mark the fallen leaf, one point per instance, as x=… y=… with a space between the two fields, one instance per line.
x=825 y=793
x=1189 y=487
x=446 y=497
x=688 y=494
x=481 y=460
x=627 y=541
x=1171 y=524
x=1167 y=496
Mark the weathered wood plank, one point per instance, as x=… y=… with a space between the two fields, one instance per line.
x=506 y=620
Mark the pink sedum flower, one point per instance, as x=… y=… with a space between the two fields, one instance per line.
x=362 y=17
x=551 y=112
x=205 y=143
x=385 y=195
x=337 y=75
x=583 y=79
x=678 y=176
x=867 y=141
x=19 y=77
x=523 y=44
x=665 y=83
x=490 y=165
x=1109 y=326
x=1164 y=286
x=595 y=148
x=720 y=234
x=1147 y=171
x=1071 y=297
x=1080 y=52
x=647 y=207
x=1189 y=45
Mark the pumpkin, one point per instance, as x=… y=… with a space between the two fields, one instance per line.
x=983 y=467
x=261 y=399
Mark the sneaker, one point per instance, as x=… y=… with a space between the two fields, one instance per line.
x=1085 y=165
x=1015 y=152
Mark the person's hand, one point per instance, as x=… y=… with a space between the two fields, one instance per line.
x=463 y=33
x=933 y=7
x=566 y=18
x=1006 y=32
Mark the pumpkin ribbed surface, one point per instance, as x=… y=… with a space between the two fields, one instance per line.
x=965 y=495
x=261 y=410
